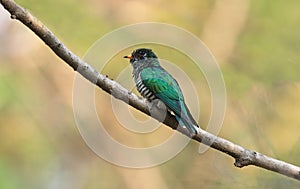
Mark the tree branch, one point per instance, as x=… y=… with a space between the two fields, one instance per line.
x=243 y=157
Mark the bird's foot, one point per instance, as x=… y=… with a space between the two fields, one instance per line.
x=158 y=109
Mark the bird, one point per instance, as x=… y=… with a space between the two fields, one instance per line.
x=154 y=82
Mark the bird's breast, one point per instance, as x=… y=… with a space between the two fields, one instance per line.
x=143 y=90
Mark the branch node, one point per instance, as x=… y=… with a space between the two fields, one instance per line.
x=246 y=159
x=242 y=161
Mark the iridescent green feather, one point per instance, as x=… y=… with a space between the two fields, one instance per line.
x=166 y=88
x=152 y=79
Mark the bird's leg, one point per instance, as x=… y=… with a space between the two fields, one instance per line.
x=158 y=109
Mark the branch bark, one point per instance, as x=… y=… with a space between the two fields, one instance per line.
x=243 y=157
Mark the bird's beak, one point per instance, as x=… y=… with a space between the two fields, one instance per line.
x=130 y=57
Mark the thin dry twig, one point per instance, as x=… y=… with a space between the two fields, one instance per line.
x=243 y=157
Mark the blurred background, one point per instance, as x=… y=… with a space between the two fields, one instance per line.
x=256 y=43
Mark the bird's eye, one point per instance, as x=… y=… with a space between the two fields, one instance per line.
x=140 y=56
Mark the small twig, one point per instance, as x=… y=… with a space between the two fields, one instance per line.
x=242 y=156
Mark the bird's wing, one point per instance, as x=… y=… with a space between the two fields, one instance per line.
x=164 y=87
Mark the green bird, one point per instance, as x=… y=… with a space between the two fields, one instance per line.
x=154 y=82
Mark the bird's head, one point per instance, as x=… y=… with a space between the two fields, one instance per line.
x=139 y=55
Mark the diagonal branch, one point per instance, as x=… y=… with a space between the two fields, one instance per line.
x=242 y=156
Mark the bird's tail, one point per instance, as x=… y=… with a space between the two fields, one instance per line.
x=186 y=120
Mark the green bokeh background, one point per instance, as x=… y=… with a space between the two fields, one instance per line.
x=40 y=146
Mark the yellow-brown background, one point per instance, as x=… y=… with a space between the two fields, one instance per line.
x=256 y=43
